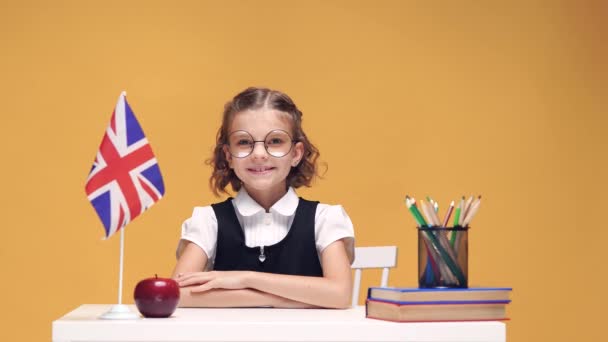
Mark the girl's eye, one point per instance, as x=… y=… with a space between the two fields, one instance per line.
x=274 y=141
x=244 y=142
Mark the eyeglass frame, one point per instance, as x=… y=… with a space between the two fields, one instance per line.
x=293 y=142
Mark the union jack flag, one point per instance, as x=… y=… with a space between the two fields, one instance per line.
x=125 y=179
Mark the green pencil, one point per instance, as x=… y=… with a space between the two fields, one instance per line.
x=456 y=219
x=457 y=216
x=414 y=210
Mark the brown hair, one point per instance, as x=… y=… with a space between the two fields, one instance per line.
x=255 y=98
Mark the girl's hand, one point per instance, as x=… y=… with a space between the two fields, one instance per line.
x=232 y=280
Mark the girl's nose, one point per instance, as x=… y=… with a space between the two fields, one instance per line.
x=259 y=151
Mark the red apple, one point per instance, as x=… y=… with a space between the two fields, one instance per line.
x=156 y=297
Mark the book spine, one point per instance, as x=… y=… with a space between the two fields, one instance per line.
x=440 y=320
x=440 y=302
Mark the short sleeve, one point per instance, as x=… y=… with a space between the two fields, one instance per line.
x=200 y=229
x=332 y=224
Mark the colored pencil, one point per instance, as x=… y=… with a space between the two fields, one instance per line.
x=471 y=212
x=448 y=214
x=411 y=205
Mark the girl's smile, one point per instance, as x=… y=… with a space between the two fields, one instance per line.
x=261 y=170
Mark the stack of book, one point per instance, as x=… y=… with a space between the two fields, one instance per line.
x=437 y=305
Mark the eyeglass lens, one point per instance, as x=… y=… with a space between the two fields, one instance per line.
x=277 y=143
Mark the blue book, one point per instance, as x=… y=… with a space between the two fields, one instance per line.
x=417 y=296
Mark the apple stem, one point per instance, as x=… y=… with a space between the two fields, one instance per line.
x=156 y=275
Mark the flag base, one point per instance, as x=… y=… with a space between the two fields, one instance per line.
x=119 y=311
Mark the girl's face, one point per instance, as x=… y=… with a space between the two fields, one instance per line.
x=260 y=172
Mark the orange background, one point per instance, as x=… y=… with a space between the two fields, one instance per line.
x=504 y=100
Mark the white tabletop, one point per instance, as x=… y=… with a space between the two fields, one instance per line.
x=263 y=324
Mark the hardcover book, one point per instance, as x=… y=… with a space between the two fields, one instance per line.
x=437 y=296
x=435 y=312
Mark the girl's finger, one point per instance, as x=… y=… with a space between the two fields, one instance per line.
x=190 y=282
x=187 y=275
x=205 y=287
x=193 y=281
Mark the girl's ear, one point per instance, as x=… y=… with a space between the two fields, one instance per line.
x=298 y=154
x=227 y=155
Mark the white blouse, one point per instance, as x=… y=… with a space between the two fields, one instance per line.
x=265 y=229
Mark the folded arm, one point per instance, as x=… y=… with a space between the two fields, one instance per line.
x=193 y=260
x=221 y=298
x=333 y=290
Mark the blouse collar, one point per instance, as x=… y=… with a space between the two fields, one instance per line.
x=247 y=206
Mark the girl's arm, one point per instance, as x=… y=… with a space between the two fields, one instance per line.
x=333 y=290
x=194 y=259
x=221 y=298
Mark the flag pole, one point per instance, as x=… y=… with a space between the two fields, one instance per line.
x=120 y=311
x=122 y=253
x=123 y=131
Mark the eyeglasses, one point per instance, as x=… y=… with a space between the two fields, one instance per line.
x=277 y=143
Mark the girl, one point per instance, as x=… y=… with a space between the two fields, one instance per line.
x=266 y=246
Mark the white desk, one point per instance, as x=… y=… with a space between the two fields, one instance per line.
x=262 y=324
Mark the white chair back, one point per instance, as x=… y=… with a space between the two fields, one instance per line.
x=384 y=257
